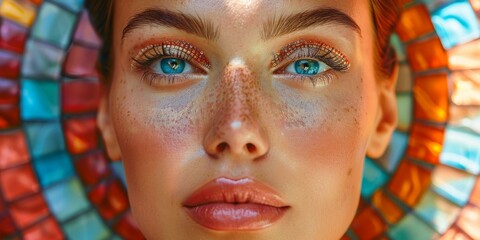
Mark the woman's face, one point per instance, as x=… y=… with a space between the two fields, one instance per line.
x=244 y=119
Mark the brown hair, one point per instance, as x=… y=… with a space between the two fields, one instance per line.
x=385 y=16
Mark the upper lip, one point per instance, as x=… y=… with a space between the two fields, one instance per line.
x=225 y=190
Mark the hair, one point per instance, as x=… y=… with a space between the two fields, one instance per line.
x=385 y=15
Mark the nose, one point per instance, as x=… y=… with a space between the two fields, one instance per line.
x=236 y=129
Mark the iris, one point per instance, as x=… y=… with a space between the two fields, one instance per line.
x=172 y=65
x=307 y=67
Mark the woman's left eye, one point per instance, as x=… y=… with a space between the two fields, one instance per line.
x=170 y=66
x=307 y=67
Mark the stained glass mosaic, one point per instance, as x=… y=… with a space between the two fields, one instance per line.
x=57 y=182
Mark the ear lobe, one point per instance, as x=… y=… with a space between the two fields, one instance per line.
x=386 y=119
x=106 y=128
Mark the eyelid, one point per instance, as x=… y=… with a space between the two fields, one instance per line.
x=303 y=49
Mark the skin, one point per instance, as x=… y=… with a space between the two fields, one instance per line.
x=309 y=143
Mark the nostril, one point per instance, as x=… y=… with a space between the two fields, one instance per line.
x=221 y=147
x=251 y=148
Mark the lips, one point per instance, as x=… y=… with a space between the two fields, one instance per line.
x=232 y=205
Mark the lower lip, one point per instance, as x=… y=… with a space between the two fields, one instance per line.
x=232 y=217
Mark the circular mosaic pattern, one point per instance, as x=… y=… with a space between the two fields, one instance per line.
x=56 y=181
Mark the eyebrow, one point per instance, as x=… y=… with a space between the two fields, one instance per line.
x=186 y=22
x=285 y=24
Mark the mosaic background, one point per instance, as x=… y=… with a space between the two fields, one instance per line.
x=56 y=181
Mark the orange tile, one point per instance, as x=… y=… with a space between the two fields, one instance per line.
x=427 y=54
x=19 y=11
x=368 y=224
x=29 y=210
x=414 y=22
x=409 y=182
x=390 y=210
x=475 y=197
x=426 y=143
x=81 y=135
x=47 y=229
x=466 y=87
x=18 y=182
x=431 y=98
x=13 y=149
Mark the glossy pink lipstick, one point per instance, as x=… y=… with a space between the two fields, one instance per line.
x=235 y=205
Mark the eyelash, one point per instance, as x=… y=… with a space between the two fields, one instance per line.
x=177 y=49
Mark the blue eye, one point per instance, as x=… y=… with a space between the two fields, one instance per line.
x=171 y=66
x=308 y=67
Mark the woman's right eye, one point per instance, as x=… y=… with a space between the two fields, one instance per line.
x=307 y=67
x=170 y=66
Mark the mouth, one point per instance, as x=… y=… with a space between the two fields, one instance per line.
x=235 y=205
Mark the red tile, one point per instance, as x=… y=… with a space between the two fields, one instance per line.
x=426 y=143
x=92 y=168
x=81 y=61
x=48 y=229
x=18 y=182
x=9 y=116
x=7 y=227
x=85 y=32
x=81 y=135
x=80 y=96
x=9 y=91
x=9 y=65
x=414 y=22
x=12 y=36
x=29 y=210
x=13 y=149
x=110 y=199
x=127 y=228
x=368 y=224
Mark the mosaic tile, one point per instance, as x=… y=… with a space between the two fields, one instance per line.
x=404 y=108
x=465 y=56
x=18 y=11
x=110 y=199
x=81 y=135
x=466 y=117
x=431 y=98
x=409 y=182
x=398 y=46
x=437 y=211
x=9 y=91
x=404 y=82
x=117 y=167
x=395 y=151
x=453 y=184
x=127 y=227
x=12 y=36
x=27 y=211
x=85 y=32
x=470 y=220
x=42 y=60
x=40 y=100
x=387 y=207
x=79 y=61
x=66 y=199
x=461 y=150
x=9 y=116
x=454 y=233
x=456 y=23
x=73 y=5
x=92 y=168
x=403 y=230
x=368 y=224
x=414 y=22
x=427 y=54
x=9 y=65
x=466 y=88
x=18 y=182
x=80 y=96
x=425 y=143
x=13 y=149
x=475 y=196
x=46 y=229
x=373 y=178
x=7 y=226
x=53 y=168
x=54 y=25
x=91 y=221
x=44 y=138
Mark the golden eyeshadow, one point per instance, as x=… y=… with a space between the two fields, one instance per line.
x=311 y=49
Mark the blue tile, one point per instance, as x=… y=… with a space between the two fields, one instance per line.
x=42 y=60
x=373 y=178
x=54 y=25
x=74 y=5
x=411 y=228
x=66 y=199
x=40 y=100
x=461 y=150
x=87 y=226
x=395 y=152
x=456 y=23
x=44 y=138
x=119 y=171
x=453 y=184
x=53 y=168
x=437 y=211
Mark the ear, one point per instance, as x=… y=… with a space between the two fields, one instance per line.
x=106 y=127
x=386 y=119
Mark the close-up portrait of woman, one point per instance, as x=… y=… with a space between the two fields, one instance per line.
x=240 y=119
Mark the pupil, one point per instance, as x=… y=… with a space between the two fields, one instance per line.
x=307 y=67
x=172 y=65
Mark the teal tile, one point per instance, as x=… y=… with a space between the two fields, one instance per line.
x=74 y=5
x=411 y=228
x=86 y=227
x=395 y=151
x=461 y=150
x=54 y=25
x=119 y=171
x=53 y=168
x=437 y=211
x=66 y=199
x=40 y=100
x=453 y=184
x=42 y=60
x=44 y=138
x=398 y=46
x=373 y=178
